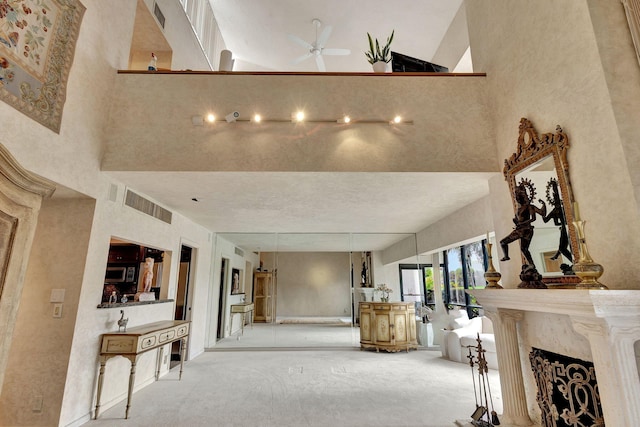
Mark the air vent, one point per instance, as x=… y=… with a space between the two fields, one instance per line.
x=159 y=15
x=239 y=252
x=141 y=204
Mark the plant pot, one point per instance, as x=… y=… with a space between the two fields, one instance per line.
x=380 y=67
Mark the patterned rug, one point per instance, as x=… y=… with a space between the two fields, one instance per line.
x=37 y=44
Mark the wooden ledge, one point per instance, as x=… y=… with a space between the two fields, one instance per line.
x=290 y=73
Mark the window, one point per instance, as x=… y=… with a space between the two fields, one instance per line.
x=465 y=268
x=416 y=283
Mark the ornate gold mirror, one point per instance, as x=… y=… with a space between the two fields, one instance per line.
x=538 y=178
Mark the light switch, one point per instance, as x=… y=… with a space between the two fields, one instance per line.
x=57 y=310
x=57 y=295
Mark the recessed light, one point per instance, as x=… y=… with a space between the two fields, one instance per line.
x=345 y=119
x=257 y=118
x=397 y=119
x=211 y=118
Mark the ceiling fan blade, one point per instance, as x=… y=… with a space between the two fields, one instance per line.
x=320 y=63
x=301 y=58
x=299 y=41
x=336 y=52
x=324 y=36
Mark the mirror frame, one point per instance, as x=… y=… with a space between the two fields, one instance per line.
x=531 y=149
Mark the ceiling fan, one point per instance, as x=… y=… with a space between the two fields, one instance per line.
x=317 y=48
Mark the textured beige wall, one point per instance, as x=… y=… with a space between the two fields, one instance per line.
x=313 y=284
x=40 y=351
x=451 y=130
x=72 y=158
x=548 y=69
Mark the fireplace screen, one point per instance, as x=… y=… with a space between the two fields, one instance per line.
x=567 y=390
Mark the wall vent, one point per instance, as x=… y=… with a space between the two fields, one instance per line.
x=159 y=15
x=239 y=252
x=141 y=204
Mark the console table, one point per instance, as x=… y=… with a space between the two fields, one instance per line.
x=136 y=341
x=389 y=326
x=243 y=309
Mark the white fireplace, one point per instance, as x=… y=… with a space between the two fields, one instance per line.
x=600 y=326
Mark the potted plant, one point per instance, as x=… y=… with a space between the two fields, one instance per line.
x=378 y=57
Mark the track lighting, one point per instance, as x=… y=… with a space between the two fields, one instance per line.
x=232 y=117
x=296 y=117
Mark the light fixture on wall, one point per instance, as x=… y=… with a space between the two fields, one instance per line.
x=232 y=117
x=296 y=117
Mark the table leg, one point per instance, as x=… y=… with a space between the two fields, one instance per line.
x=132 y=377
x=103 y=361
x=183 y=352
x=159 y=362
x=242 y=326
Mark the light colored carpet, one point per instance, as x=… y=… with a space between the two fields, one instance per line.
x=319 y=387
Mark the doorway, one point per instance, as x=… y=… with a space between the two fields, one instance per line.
x=222 y=296
x=183 y=307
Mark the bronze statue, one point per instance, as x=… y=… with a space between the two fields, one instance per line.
x=525 y=217
x=557 y=215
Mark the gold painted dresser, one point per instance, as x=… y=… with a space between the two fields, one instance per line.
x=389 y=326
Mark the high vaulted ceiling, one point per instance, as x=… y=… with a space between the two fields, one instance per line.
x=327 y=211
x=256 y=31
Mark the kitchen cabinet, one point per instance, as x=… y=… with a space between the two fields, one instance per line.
x=124 y=254
x=389 y=326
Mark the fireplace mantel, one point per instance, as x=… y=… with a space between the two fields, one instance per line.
x=609 y=319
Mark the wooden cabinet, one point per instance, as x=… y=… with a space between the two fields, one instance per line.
x=263 y=296
x=389 y=326
x=125 y=253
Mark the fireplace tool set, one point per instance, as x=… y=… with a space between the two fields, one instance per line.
x=481 y=417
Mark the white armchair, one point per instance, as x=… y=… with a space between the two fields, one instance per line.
x=463 y=332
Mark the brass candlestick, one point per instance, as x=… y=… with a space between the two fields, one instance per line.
x=586 y=268
x=491 y=275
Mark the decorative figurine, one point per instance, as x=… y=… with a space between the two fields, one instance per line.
x=147 y=275
x=113 y=298
x=153 y=64
x=557 y=215
x=122 y=322
x=524 y=219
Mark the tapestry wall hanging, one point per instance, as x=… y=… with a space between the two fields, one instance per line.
x=37 y=43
